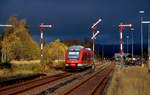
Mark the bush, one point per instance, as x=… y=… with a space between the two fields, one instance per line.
x=6 y=64
x=45 y=67
x=55 y=51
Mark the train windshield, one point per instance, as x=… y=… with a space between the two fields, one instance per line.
x=73 y=55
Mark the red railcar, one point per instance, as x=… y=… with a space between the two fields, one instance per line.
x=78 y=57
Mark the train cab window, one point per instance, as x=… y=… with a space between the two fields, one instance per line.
x=73 y=55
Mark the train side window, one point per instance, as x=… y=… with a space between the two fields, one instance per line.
x=89 y=56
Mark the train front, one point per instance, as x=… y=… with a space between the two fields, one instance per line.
x=73 y=59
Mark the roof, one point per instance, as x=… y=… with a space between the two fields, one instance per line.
x=76 y=47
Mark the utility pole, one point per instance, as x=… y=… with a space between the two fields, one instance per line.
x=132 y=29
x=141 y=19
x=149 y=48
x=148 y=22
x=127 y=44
x=42 y=26
x=121 y=39
x=4 y=56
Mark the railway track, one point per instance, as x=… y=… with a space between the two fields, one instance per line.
x=25 y=86
x=92 y=85
x=39 y=85
x=68 y=81
x=6 y=81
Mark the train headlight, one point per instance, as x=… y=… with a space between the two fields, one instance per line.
x=66 y=64
x=134 y=59
x=79 y=65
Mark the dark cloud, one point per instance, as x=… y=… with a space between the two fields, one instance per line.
x=72 y=18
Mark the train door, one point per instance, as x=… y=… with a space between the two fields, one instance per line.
x=84 y=58
x=89 y=58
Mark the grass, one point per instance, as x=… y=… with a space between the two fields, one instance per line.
x=19 y=69
x=130 y=81
x=29 y=67
x=25 y=62
x=24 y=68
x=59 y=63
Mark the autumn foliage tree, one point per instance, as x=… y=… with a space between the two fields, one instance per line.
x=86 y=42
x=55 y=50
x=17 y=42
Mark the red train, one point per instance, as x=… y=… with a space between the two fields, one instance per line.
x=78 y=57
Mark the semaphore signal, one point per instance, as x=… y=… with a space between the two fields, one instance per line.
x=121 y=38
x=95 y=32
x=2 y=25
x=42 y=26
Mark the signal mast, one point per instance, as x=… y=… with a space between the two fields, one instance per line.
x=42 y=26
x=121 y=39
x=95 y=32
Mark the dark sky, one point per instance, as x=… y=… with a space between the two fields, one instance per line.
x=72 y=18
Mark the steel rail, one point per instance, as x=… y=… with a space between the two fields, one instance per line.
x=77 y=88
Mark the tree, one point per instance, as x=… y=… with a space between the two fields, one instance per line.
x=8 y=45
x=55 y=50
x=86 y=42
x=70 y=42
x=1 y=38
x=17 y=42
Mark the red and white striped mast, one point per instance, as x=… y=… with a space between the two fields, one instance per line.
x=121 y=38
x=42 y=26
